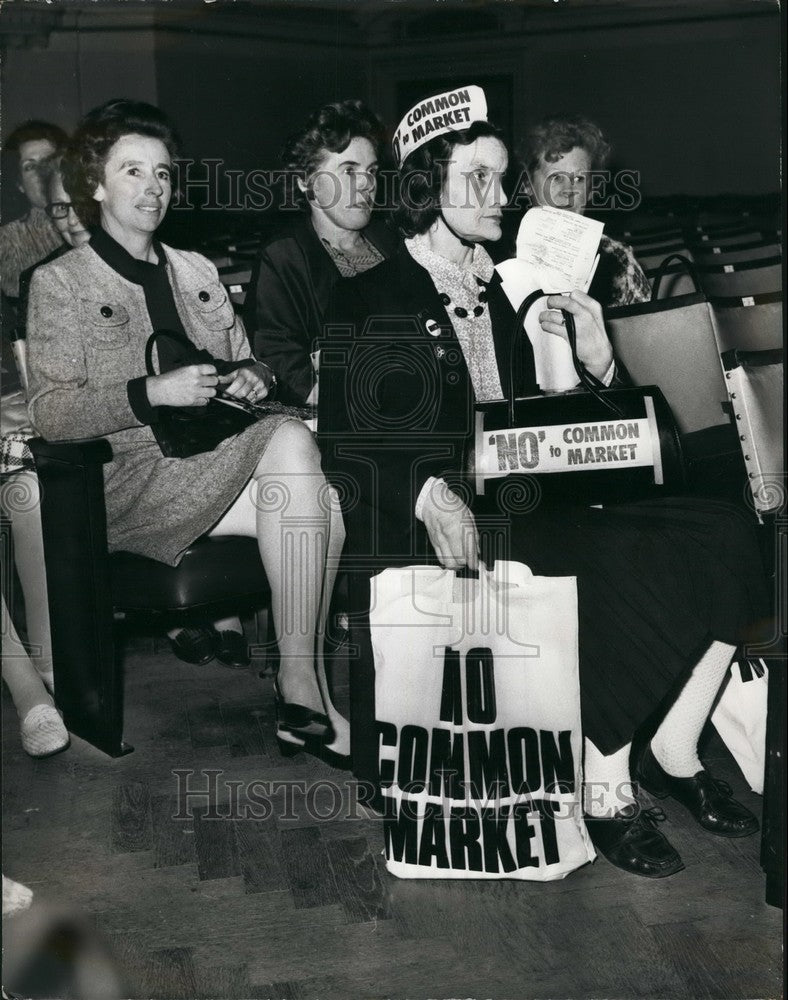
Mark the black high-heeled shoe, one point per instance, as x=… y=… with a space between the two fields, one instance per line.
x=290 y=745
x=298 y=720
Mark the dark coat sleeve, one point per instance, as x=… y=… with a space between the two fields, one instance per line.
x=391 y=415
x=283 y=320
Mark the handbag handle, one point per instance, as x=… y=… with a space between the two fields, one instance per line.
x=590 y=382
x=198 y=356
x=519 y=332
x=686 y=265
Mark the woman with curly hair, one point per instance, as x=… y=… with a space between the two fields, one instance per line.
x=334 y=159
x=560 y=153
x=90 y=315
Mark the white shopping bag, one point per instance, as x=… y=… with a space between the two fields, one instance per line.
x=478 y=712
x=740 y=719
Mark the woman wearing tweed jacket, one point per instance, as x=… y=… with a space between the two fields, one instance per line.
x=90 y=316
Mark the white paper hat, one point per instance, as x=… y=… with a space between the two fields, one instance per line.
x=448 y=112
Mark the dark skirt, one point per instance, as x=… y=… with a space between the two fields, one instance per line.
x=657 y=583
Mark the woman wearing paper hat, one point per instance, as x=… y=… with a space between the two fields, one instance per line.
x=666 y=589
x=335 y=160
x=560 y=152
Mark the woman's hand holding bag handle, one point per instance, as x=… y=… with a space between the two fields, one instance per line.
x=186 y=429
x=200 y=422
x=601 y=445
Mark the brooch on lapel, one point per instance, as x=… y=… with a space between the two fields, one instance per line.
x=432 y=327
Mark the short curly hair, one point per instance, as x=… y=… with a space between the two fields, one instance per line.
x=330 y=129
x=554 y=137
x=422 y=177
x=86 y=155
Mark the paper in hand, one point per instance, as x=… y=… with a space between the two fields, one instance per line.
x=559 y=248
x=557 y=252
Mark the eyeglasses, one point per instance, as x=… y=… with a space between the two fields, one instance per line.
x=58 y=209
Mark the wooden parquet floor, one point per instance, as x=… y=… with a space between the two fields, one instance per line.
x=213 y=898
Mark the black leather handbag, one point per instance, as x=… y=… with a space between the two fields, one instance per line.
x=183 y=431
x=592 y=444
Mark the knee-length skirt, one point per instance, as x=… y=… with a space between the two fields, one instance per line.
x=158 y=506
x=657 y=583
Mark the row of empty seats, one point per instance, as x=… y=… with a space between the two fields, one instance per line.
x=712 y=339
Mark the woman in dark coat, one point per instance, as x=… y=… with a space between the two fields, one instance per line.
x=90 y=315
x=334 y=159
x=665 y=588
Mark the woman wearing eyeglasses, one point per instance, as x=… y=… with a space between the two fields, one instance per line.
x=67 y=224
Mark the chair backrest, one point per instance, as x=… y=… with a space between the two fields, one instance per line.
x=672 y=244
x=671 y=343
x=236 y=278
x=749 y=323
x=726 y=238
x=753 y=277
x=653 y=235
x=762 y=250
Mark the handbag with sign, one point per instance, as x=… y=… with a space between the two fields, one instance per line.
x=594 y=444
x=182 y=431
x=477 y=705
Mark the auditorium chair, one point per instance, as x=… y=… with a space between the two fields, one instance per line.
x=89 y=588
x=753 y=277
x=236 y=277
x=749 y=322
x=731 y=232
x=760 y=250
x=660 y=233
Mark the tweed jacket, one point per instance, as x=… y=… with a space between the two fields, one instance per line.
x=87 y=329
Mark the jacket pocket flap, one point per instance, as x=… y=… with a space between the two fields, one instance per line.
x=104 y=314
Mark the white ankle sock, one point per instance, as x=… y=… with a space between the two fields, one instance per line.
x=607 y=785
x=675 y=744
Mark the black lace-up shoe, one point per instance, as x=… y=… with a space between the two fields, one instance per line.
x=709 y=800
x=630 y=840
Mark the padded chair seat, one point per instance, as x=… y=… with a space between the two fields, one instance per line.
x=202 y=576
